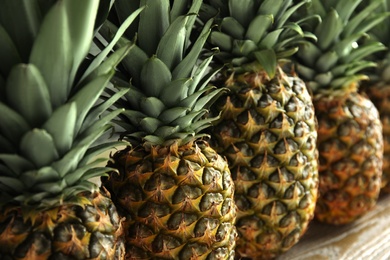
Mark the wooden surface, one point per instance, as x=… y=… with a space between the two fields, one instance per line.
x=367 y=239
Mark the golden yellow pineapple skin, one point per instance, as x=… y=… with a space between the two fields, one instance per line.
x=178 y=202
x=91 y=231
x=268 y=133
x=350 y=147
x=379 y=94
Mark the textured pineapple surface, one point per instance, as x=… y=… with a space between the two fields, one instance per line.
x=178 y=202
x=367 y=238
x=350 y=142
x=379 y=94
x=351 y=151
x=267 y=132
x=65 y=232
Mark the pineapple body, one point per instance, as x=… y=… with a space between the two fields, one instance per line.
x=52 y=117
x=350 y=150
x=349 y=131
x=379 y=94
x=176 y=192
x=91 y=231
x=267 y=131
x=178 y=202
x=377 y=87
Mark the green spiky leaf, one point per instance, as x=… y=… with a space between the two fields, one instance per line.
x=222 y=40
x=38 y=146
x=166 y=131
x=152 y=106
x=13 y=184
x=176 y=91
x=13 y=125
x=86 y=97
x=233 y=28
x=70 y=160
x=61 y=126
x=364 y=51
x=118 y=34
x=199 y=75
x=267 y=59
x=98 y=110
x=27 y=92
x=97 y=150
x=9 y=55
x=16 y=163
x=184 y=69
x=57 y=40
x=150 y=124
x=171 y=45
x=151 y=33
x=171 y=114
x=271 y=7
x=258 y=27
x=43 y=175
x=242 y=10
x=6 y=146
x=329 y=30
x=155 y=76
x=327 y=61
x=22 y=24
x=356 y=20
x=100 y=123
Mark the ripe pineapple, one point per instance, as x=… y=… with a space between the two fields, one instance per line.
x=49 y=123
x=350 y=134
x=267 y=128
x=174 y=190
x=378 y=86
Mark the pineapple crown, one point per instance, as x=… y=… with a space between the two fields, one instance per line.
x=381 y=33
x=50 y=117
x=255 y=34
x=336 y=59
x=169 y=92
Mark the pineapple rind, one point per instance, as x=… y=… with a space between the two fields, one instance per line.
x=379 y=94
x=178 y=202
x=267 y=128
x=169 y=214
x=377 y=87
x=268 y=133
x=71 y=231
x=348 y=189
x=351 y=156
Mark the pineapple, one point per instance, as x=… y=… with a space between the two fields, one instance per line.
x=378 y=87
x=175 y=192
x=49 y=207
x=350 y=139
x=267 y=129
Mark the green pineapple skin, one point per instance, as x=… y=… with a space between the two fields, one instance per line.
x=267 y=131
x=92 y=231
x=178 y=202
